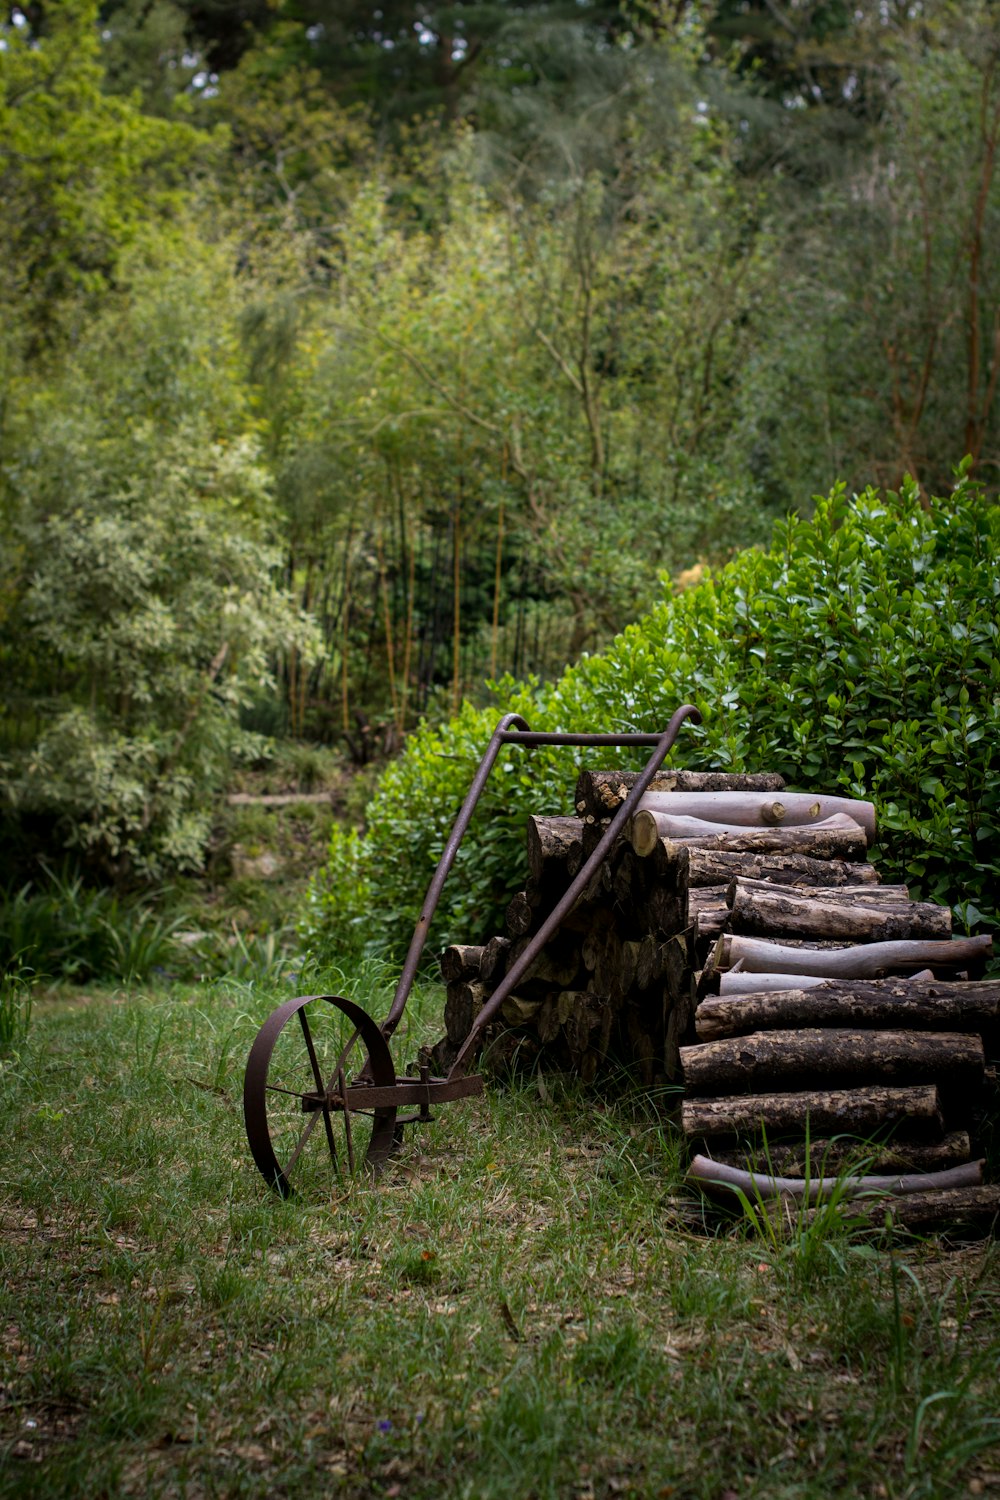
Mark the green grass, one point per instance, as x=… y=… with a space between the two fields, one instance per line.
x=526 y=1306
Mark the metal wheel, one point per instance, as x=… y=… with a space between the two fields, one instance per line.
x=304 y=1057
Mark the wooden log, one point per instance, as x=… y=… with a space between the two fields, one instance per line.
x=555 y=967
x=738 y=982
x=551 y=842
x=520 y=915
x=864 y=961
x=755 y=809
x=717 y=1177
x=859 y=1111
x=518 y=1010
x=836 y=838
x=882 y=916
x=951 y=1212
x=601 y=793
x=973 y=1007
x=819 y=1157
x=662 y=911
x=766 y=1060
x=461 y=961
x=493 y=964
x=463 y=1002
x=715 y=867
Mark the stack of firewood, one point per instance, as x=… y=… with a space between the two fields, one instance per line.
x=615 y=985
x=737 y=938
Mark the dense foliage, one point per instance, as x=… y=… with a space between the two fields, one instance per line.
x=349 y=358
x=858 y=654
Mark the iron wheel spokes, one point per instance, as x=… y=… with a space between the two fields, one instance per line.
x=299 y=1072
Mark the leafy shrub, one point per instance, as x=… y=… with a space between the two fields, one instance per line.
x=858 y=654
x=15 y=1005
x=66 y=929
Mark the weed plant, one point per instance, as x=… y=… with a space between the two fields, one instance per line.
x=528 y=1305
x=15 y=1005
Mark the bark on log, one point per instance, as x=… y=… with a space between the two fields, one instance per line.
x=836 y=838
x=772 y=1058
x=556 y=967
x=823 y=1157
x=461 y=961
x=860 y=1111
x=601 y=793
x=755 y=809
x=950 y=1211
x=879 y=1003
x=711 y=867
x=717 y=1177
x=746 y=982
x=493 y=965
x=463 y=1002
x=518 y=1010
x=520 y=915
x=551 y=842
x=771 y=911
x=738 y=982
x=864 y=961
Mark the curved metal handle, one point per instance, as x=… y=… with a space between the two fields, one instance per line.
x=568 y=900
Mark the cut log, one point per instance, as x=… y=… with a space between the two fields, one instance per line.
x=755 y=809
x=881 y=914
x=716 y=1176
x=879 y=1003
x=836 y=838
x=860 y=1111
x=461 y=961
x=745 y=982
x=794 y=1058
x=520 y=915
x=493 y=965
x=463 y=1002
x=825 y=1157
x=551 y=842
x=865 y=961
x=601 y=793
x=712 y=867
x=739 y=982
x=555 y=967
x=950 y=1212
x=517 y=1010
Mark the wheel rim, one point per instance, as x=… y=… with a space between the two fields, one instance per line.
x=302 y=1059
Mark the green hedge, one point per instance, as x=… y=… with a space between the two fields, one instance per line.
x=859 y=654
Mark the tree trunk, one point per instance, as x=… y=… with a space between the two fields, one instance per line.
x=716 y=1176
x=552 y=843
x=710 y=867
x=462 y=1005
x=877 y=914
x=952 y=1210
x=838 y=837
x=861 y=1111
x=877 y=1003
x=864 y=961
x=820 y=1157
x=756 y=809
x=737 y=982
x=844 y=1057
x=461 y=962
x=601 y=793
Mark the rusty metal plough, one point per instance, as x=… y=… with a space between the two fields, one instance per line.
x=321 y=1090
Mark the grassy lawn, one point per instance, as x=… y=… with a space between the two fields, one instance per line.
x=527 y=1305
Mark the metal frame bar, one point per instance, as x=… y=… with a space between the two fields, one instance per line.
x=513 y=730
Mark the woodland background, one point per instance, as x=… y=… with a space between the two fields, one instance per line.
x=355 y=359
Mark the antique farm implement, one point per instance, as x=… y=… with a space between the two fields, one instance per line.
x=321 y=1090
